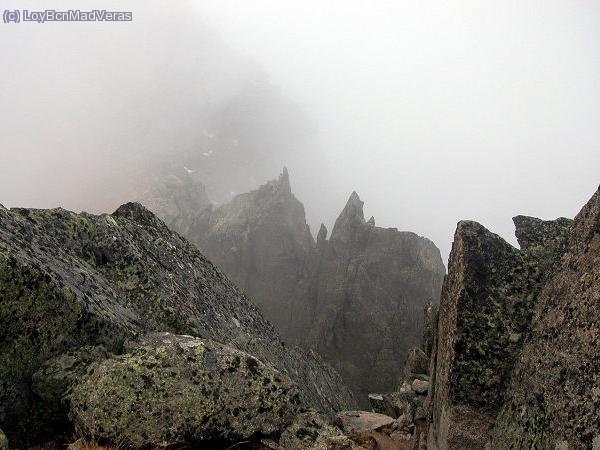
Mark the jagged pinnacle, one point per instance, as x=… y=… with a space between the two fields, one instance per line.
x=322 y=235
x=284 y=179
x=351 y=216
x=354 y=207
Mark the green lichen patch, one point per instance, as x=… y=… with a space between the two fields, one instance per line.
x=177 y=389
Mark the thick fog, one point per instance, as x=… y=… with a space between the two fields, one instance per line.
x=432 y=111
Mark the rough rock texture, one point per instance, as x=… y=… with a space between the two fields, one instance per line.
x=53 y=381
x=312 y=431
x=72 y=280
x=484 y=317
x=374 y=431
x=429 y=327
x=361 y=421
x=554 y=399
x=261 y=240
x=3 y=441
x=356 y=298
x=368 y=289
x=175 y=389
x=416 y=362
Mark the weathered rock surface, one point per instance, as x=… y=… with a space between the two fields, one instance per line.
x=261 y=240
x=361 y=421
x=175 y=389
x=312 y=431
x=356 y=298
x=554 y=397
x=3 y=441
x=416 y=363
x=368 y=290
x=516 y=356
x=72 y=280
x=374 y=431
x=484 y=317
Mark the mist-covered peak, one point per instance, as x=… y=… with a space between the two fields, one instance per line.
x=283 y=182
x=321 y=235
x=351 y=216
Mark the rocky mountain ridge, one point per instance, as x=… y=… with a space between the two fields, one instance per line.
x=355 y=297
x=78 y=286
x=509 y=361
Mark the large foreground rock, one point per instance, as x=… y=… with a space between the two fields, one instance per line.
x=73 y=280
x=516 y=355
x=485 y=313
x=554 y=399
x=181 y=390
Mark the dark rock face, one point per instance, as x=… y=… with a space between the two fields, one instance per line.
x=73 y=280
x=368 y=289
x=485 y=312
x=261 y=240
x=174 y=389
x=555 y=393
x=356 y=298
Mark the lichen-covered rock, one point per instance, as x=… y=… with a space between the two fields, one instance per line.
x=178 y=389
x=3 y=439
x=312 y=431
x=53 y=381
x=485 y=312
x=554 y=397
x=71 y=280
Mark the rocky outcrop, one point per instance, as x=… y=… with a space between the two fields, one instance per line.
x=173 y=390
x=261 y=240
x=355 y=298
x=73 y=280
x=485 y=313
x=368 y=289
x=555 y=391
x=515 y=356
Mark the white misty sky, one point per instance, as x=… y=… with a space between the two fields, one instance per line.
x=433 y=111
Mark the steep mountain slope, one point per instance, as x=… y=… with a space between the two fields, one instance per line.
x=261 y=240
x=368 y=288
x=356 y=298
x=69 y=281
